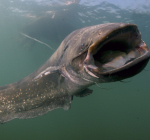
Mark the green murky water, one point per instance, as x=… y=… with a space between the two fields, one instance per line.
x=119 y=112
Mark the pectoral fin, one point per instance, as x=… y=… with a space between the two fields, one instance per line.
x=84 y=93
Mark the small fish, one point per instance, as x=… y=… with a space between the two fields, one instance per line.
x=96 y=54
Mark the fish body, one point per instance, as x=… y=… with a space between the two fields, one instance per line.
x=96 y=54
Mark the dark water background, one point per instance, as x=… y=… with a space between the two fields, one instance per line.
x=119 y=112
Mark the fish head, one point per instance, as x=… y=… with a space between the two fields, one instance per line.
x=115 y=51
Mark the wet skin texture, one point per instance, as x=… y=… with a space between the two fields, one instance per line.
x=96 y=54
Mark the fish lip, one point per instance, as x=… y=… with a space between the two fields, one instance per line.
x=89 y=65
x=122 y=72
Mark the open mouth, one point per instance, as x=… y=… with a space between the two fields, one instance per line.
x=119 y=50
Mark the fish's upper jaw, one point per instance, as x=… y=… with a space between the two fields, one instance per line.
x=118 y=55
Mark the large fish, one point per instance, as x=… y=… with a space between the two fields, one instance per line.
x=96 y=54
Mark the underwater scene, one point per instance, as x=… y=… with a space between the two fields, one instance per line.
x=32 y=30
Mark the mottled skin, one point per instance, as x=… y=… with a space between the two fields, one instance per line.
x=55 y=83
